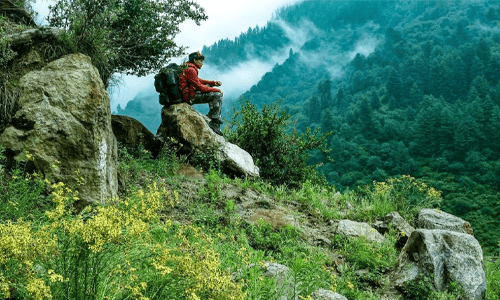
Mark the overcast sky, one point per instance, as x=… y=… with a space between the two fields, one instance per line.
x=226 y=19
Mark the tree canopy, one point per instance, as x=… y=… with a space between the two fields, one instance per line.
x=134 y=37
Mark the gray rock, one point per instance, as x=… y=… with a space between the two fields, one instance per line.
x=356 y=229
x=31 y=36
x=437 y=219
x=65 y=116
x=131 y=133
x=448 y=256
x=190 y=129
x=322 y=294
x=186 y=125
x=401 y=226
x=237 y=160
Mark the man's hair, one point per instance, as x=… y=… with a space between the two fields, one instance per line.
x=196 y=55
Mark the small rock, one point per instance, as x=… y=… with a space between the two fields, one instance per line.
x=355 y=229
x=322 y=294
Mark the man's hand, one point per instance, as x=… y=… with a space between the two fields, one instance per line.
x=218 y=83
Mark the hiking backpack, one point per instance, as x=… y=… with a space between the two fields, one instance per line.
x=167 y=84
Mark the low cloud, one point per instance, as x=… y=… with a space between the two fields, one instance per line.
x=241 y=77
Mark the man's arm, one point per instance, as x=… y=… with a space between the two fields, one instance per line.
x=200 y=84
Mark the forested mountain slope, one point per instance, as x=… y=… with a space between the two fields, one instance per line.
x=406 y=87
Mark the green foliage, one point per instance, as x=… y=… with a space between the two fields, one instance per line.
x=419 y=288
x=492 y=270
x=207 y=160
x=378 y=258
x=263 y=236
x=21 y=194
x=211 y=192
x=422 y=288
x=281 y=156
x=125 y=36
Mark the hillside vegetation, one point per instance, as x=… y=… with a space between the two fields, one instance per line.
x=171 y=236
x=406 y=87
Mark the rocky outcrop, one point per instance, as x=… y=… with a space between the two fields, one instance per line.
x=190 y=129
x=65 y=120
x=350 y=228
x=448 y=256
x=437 y=219
x=34 y=36
x=131 y=133
x=399 y=225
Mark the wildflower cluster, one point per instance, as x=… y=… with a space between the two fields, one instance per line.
x=406 y=193
x=21 y=249
x=193 y=258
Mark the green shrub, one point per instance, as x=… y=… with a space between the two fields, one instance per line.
x=282 y=157
x=419 y=288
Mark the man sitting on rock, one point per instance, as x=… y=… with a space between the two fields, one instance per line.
x=197 y=91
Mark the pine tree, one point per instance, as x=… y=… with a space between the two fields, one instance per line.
x=366 y=119
x=375 y=100
x=483 y=52
x=415 y=95
x=459 y=81
x=481 y=85
x=394 y=84
x=340 y=99
x=466 y=134
x=327 y=121
x=325 y=93
x=314 y=110
x=477 y=68
x=358 y=62
x=493 y=70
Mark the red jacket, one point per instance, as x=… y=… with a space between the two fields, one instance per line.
x=189 y=83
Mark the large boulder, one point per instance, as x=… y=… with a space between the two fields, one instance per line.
x=190 y=129
x=64 y=119
x=446 y=256
x=437 y=219
x=131 y=133
x=350 y=228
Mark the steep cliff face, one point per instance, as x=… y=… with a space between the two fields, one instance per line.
x=64 y=120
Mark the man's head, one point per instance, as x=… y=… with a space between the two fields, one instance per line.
x=197 y=58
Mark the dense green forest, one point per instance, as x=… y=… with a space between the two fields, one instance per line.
x=405 y=87
x=425 y=102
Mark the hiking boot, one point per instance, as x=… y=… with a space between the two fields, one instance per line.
x=215 y=126
x=217 y=121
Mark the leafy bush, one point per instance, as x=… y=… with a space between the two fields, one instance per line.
x=281 y=156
